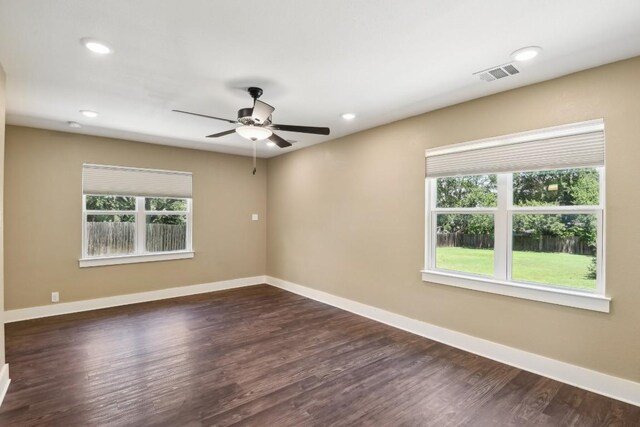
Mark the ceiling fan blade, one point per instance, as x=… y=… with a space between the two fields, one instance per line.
x=261 y=111
x=203 y=115
x=217 y=135
x=302 y=129
x=280 y=142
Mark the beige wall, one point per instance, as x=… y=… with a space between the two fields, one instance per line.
x=43 y=197
x=2 y=123
x=347 y=217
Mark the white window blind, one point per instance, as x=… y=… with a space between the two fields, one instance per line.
x=568 y=146
x=124 y=181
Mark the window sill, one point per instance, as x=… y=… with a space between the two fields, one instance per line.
x=132 y=259
x=531 y=292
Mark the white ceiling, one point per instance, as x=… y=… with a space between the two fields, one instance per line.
x=381 y=59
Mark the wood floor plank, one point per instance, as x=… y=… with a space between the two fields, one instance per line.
x=262 y=356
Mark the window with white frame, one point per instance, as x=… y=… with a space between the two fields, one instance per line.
x=135 y=215
x=520 y=215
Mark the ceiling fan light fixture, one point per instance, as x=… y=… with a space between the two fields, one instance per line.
x=254 y=133
x=271 y=144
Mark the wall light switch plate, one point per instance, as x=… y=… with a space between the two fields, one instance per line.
x=55 y=296
x=254 y=217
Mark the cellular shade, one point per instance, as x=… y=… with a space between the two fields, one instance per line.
x=124 y=181
x=568 y=146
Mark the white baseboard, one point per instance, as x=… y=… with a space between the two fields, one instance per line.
x=597 y=382
x=94 y=304
x=4 y=381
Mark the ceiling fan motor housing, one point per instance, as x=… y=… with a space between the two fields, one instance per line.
x=244 y=116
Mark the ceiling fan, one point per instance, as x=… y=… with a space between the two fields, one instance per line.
x=257 y=125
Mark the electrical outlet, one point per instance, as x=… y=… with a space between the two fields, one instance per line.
x=55 y=296
x=254 y=217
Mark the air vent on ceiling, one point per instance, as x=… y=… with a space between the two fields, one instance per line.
x=498 y=72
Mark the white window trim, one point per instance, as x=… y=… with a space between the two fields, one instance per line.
x=133 y=259
x=589 y=300
x=550 y=295
x=140 y=255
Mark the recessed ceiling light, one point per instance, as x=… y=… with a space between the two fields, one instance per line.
x=96 y=46
x=271 y=144
x=74 y=125
x=348 y=116
x=526 y=53
x=89 y=113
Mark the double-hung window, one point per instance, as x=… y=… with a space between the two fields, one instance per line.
x=134 y=215
x=520 y=215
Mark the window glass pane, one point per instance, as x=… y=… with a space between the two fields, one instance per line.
x=110 y=234
x=467 y=191
x=164 y=204
x=465 y=243
x=111 y=203
x=566 y=187
x=166 y=233
x=555 y=249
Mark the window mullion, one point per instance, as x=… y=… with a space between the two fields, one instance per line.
x=84 y=226
x=510 y=210
x=429 y=234
x=141 y=221
x=433 y=222
x=188 y=243
x=600 y=266
x=500 y=254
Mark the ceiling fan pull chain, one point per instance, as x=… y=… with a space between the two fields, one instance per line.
x=254 y=157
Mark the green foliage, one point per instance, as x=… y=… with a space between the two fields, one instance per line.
x=165 y=204
x=565 y=225
x=466 y=223
x=574 y=187
x=111 y=203
x=127 y=203
x=592 y=272
x=467 y=191
x=111 y=218
x=167 y=219
x=567 y=187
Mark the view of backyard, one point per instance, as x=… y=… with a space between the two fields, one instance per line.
x=111 y=226
x=562 y=269
x=552 y=218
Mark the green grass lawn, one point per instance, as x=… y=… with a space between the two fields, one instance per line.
x=540 y=267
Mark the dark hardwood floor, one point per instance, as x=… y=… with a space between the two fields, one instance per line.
x=262 y=356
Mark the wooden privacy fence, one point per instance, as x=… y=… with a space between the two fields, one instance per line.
x=475 y=241
x=571 y=245
x=111 y=238
x=166 y=237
